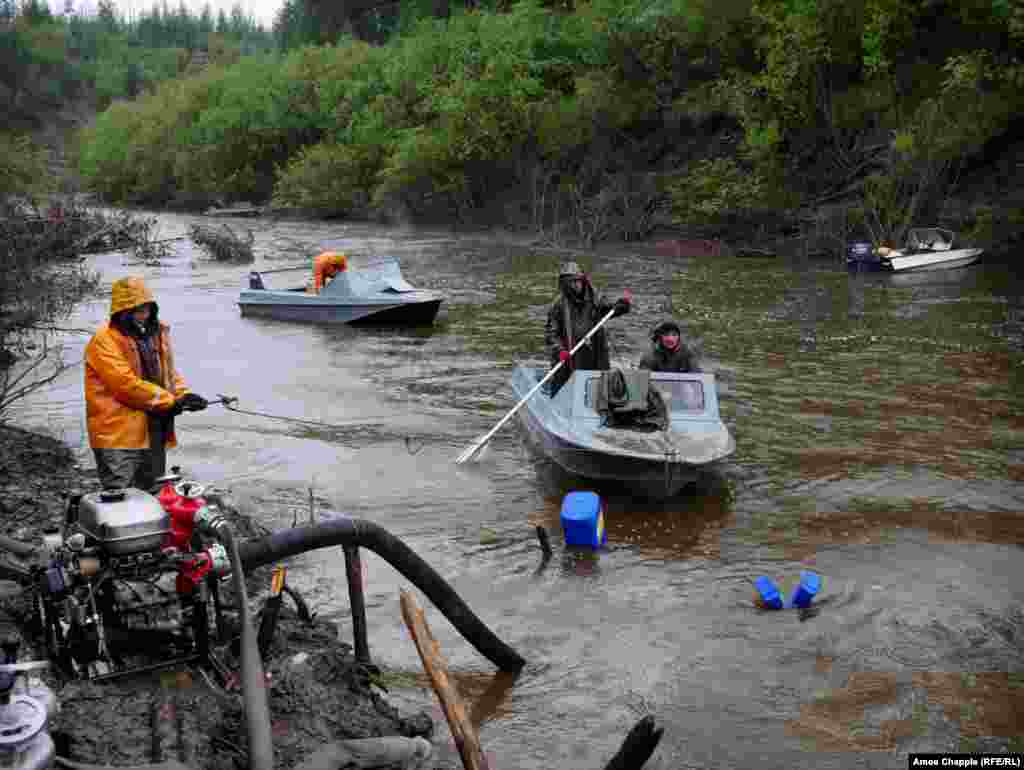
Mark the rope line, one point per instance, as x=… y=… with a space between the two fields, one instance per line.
x=227 y=401
x=299 y=421
x=414 y=446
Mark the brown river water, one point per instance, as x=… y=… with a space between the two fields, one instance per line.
x=880 y=443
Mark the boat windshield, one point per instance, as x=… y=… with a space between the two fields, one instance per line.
x=682 y=395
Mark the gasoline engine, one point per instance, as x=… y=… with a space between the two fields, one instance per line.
x=130 y=574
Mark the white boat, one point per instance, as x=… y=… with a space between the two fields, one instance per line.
x=928 y=248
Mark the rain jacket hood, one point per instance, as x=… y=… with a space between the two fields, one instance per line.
x=128 y=293
x=566 y=288
x=668 y=327
x=327 y=265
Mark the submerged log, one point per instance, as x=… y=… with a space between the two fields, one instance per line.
x=241 y=211
x=223 y=244
x=638 y=747
x=434 y=663
x=391 y=751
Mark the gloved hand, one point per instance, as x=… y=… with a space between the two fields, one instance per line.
x=193 y=402
x=563 y=356
x=621 y=307
x=190 y=402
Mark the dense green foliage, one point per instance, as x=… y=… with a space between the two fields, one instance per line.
x=598 y=112
x=23 y=169
x=47 y=60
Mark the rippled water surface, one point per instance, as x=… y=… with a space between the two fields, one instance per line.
x=880 y=442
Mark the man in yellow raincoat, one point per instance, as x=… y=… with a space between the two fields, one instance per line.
x=327 y=265
x=133 y=390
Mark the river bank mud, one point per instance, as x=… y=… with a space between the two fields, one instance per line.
x=318 y=692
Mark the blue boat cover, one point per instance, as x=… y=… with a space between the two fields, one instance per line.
x=359 y=283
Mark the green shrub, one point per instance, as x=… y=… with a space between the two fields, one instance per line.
x=23 y=169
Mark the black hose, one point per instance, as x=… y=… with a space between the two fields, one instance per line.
x=16 y=547
x=256 y=552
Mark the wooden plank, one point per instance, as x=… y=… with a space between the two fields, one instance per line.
x=434 y=663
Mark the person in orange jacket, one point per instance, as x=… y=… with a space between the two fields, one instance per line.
x=133 y=390
x=327 y=265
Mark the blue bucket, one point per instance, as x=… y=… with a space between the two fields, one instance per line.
x=804 y=593
x=583 y=520
x=768 y=593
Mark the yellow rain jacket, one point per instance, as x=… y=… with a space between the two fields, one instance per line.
x=117 y=399
x=325 y=266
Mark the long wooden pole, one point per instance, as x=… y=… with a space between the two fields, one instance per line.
x=434 y=663
x=467 y=455
x=357 y=602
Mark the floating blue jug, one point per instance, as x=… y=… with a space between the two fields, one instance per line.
x=769 y=593
x=805 y=592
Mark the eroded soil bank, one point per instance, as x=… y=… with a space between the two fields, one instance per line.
x=318 y=693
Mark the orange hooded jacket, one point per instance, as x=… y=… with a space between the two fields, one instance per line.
x=117 y=399
x=325 y=266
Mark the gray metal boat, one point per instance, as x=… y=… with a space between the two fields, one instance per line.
x=369 y=296
x=568 y=430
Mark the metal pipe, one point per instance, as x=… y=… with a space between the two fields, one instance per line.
x=354 y=571
x=256 y=552
x=254 y=685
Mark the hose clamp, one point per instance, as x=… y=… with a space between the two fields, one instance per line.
x=220 y=563
x=209 y=519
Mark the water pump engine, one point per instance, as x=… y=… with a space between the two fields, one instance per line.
x=128 y=573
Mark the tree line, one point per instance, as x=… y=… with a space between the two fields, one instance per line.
x=597 y=115
x=47 y=59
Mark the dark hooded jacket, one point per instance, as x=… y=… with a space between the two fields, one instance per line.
x=659 y=359
x=569 y=320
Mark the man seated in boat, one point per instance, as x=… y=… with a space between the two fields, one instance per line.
x=668 y=352
x=325 y=267
x=572 y=315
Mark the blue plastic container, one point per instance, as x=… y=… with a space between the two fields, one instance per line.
x=583 y=520
x=769 y=593
x=804 y=593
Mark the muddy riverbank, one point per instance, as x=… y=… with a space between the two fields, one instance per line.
x=318 y=693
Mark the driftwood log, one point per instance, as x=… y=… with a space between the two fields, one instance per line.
x=434 y=663
x=223 y=244
x=391 y=751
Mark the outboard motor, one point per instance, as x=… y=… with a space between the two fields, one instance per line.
x=127 y=573
x=860 y=251
x=26 y=707
x=862 y=257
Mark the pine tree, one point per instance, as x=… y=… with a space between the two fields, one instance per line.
x=107 y=15
x=205 y=25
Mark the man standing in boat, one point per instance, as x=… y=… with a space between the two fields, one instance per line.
x=668 y=352
x=326 y=266
x=576 y=311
